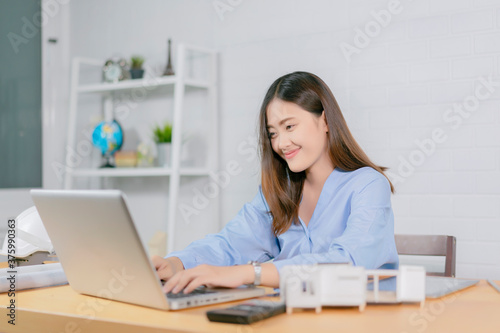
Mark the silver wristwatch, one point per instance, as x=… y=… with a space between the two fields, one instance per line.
x=258 y=272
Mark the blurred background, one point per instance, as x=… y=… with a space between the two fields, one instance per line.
x=417 y=81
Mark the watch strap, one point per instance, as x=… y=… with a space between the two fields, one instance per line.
x=258 y=272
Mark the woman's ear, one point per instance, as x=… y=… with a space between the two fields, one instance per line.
x=324 y=124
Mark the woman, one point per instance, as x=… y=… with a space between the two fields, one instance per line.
x=321 y=200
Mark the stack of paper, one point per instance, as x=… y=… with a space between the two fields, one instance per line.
x=35 y=276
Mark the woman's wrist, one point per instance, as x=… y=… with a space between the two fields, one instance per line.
x=175 y=264
x=247 y=273
x=269 y=275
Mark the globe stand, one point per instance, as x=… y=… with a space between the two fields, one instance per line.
x=108 y=137
x=108 y=161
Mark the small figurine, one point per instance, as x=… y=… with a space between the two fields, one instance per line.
x=169 y=70
x=145 y=156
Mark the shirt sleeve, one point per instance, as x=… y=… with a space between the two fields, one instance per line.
x=368 y=239
x=247 y=237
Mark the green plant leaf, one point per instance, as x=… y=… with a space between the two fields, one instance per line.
x=137 y=61
x=163 y=134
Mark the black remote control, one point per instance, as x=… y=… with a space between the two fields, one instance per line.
x=247 y=312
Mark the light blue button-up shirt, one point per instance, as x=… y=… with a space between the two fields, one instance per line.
x=352 y=222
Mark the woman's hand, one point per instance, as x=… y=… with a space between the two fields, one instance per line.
x=166 y=268
x=211 y=276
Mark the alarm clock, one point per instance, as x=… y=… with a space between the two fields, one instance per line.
x=115 y=70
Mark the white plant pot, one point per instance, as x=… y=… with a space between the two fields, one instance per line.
x=164 y=150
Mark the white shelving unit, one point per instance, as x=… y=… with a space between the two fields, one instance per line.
x=179 y=82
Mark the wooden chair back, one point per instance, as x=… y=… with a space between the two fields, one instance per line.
x=430 y=245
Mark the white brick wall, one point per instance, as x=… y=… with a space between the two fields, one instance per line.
x=487 y=43
x=407 y=51
x=488 y=136
x=483 y=3
x=429 y=71
x=389 y=117
x=488 y=183
x=431 y=206
x=457 y=183
x=488 y=230
x=444 y=6
x=472 y=21
x=390 y=75
x=408 y=95
x=450 y=46
x=453 y=92
x=473 y=67
x=429 y=27
x=428 y=115
x=474 y=160
x=463 y=229
x=479 y=253
x=397 y=90
x=474 y=206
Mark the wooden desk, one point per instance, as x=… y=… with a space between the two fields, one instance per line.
x=60 y=309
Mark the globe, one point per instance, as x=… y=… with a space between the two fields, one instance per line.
x=108 y=137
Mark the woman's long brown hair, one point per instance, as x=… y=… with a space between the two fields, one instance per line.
x=281 y=187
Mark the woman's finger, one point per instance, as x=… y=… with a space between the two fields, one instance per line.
x=184 y=279
x=172 y=282
x=157 y=261
x=195 y=283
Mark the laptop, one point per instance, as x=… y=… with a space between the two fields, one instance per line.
x=98 y=246
x=439 y=286
x=435 y=287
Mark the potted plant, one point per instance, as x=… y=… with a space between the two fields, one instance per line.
x=163 y=139
x=136 y=70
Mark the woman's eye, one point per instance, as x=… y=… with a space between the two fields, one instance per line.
x=271 y=135
x=289 y=127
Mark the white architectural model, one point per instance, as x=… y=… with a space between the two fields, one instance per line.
x=314 y=286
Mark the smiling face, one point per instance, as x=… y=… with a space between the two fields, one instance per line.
x=297 y=135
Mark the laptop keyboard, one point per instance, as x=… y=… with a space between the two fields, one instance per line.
x=195 y=292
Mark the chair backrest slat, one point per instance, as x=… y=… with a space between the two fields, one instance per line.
x=429 y=245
